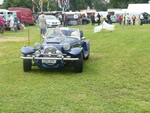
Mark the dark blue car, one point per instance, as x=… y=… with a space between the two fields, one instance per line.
x=60 y=47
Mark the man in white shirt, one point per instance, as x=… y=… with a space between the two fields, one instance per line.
x=75 y=16
x=141 y=19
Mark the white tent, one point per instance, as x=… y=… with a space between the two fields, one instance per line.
x=138 y=8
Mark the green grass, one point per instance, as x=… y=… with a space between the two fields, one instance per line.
x=116 y=78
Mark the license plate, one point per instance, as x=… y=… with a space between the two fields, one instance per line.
x=49 y=61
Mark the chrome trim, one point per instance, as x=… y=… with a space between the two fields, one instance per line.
x=47 y=58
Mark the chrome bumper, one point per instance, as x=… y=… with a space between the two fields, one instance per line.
x=47 y=58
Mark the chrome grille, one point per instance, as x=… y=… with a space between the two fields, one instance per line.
x=50 y=52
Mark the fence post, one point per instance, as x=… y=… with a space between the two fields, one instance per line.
x=28 y=37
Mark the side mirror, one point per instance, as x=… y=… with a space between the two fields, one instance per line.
x=43 y=37
x=82 y=38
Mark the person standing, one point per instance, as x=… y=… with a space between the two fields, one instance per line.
x=42 y=24
x=15 y=23
x=76 y=17
x=133 y=19
x=98 y=18
x=124 y=19
x=80 y=19
x=93 y=19
x=128 y=19
x=60 y=18
x=2 y=24
x=11 y=18
x=65 y=20
x=141 y=19
x=120 y=19
x=109 y=19
x=102 y=19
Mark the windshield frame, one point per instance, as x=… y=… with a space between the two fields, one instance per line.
x=63 y=32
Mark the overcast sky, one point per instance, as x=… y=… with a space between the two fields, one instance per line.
x=1 y=1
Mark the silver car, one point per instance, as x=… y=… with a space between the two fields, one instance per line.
x=52 y=21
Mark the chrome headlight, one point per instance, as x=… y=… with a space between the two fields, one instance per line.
x=66 y=46
x=37 y=46
x=37 y=53
x=59 y=53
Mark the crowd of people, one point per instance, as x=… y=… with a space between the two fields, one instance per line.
x=122 y=19
x=127 y=20
x=12 y=23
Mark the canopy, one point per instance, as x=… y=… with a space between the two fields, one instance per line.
x=138 y=8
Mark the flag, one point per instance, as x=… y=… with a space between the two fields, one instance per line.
x=33 y=9
x=67 y=6
x=47 y=5
x=62 y=2
x=36 y=4
x=41 y=5
x=59 y=4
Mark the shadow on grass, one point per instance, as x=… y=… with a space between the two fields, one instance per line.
x=63 y=71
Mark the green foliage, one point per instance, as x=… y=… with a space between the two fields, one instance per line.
x=74 y=4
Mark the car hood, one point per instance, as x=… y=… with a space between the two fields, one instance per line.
x=59 y=42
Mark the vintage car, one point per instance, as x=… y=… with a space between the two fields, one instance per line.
x=60 y=47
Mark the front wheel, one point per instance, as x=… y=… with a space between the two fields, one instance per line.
x=27 y=64
x=78 y=65
x=84 y=22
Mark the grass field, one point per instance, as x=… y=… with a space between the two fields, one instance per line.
x=116 y=78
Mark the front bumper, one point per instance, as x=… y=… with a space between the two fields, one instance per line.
x=53 y=25
x=49 y=58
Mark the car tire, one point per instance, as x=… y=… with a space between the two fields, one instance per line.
x=78 y=65
x=27 y=64
x=84 y=22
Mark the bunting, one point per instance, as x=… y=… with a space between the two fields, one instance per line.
x=35 y=4
x=47 y=5
x=67 y=5
x=33 y=9
x=59 y=4
x=41 y=5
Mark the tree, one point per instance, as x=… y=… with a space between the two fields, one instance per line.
x=74 y=4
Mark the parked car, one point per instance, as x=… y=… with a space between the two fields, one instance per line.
x=73 y=21
x=24 y=15
x=52 y=21
x=113 y=18
x=60 y=47
x=146 y=18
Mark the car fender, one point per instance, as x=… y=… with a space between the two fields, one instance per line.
x=85 y=45
x=27 y=50
x=75 y=51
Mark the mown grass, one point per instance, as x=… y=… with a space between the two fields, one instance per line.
x=116 y=78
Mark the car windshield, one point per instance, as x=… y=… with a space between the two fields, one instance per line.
x=50 y=17
x=63 y=33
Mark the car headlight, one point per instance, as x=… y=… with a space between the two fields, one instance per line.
x=58 y=22
x=49 y=23
x=66 y=46
x=59 y=53
x=37 y=46
x=37 y=53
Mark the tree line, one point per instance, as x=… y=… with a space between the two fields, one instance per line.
x=99 y=5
